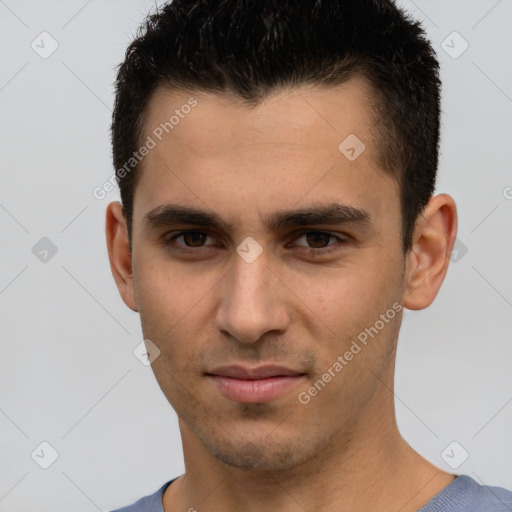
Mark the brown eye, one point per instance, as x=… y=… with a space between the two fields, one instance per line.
x=186 y=240
x=194 y=239
x=318 y=239
x=320 y=243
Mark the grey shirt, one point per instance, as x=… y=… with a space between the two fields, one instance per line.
x=464 y=494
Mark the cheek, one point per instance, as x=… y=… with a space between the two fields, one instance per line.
x=174 y=309
x=346 y=307
x=177 y=335
x=167 y=292
x=357 y=290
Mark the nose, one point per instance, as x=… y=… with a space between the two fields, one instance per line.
x=252 y=302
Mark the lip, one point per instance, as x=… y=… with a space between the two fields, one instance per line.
x=260 y=372
x=254 y=385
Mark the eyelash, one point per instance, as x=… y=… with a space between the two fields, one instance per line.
x=168 y=242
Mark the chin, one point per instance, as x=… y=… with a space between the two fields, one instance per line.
x=264 y=455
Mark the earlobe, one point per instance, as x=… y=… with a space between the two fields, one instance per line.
x=119 y=253
x=428 y=260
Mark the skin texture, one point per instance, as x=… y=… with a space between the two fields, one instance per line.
x=208 y=307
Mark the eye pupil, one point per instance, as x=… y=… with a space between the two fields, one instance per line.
x=194 y=239
x=316 y=237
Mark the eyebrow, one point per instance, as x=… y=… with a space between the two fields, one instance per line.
x=332 y=214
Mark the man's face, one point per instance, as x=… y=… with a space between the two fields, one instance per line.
x=317 y=284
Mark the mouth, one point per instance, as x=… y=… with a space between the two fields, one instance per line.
x=254 y=385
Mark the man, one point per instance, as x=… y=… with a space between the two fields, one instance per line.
x=277 y=163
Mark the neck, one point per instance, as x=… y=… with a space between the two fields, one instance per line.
x=369 y=467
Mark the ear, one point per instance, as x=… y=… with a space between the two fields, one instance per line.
x=119 y=253
x=432 y=245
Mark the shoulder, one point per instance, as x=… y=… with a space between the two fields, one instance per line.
x=465 y=494
x=151 y=503
x=489 y=498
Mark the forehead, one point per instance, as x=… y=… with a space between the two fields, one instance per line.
x=215 y=149
x=282 y=117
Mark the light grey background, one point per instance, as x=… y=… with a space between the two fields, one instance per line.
x=68 y=375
